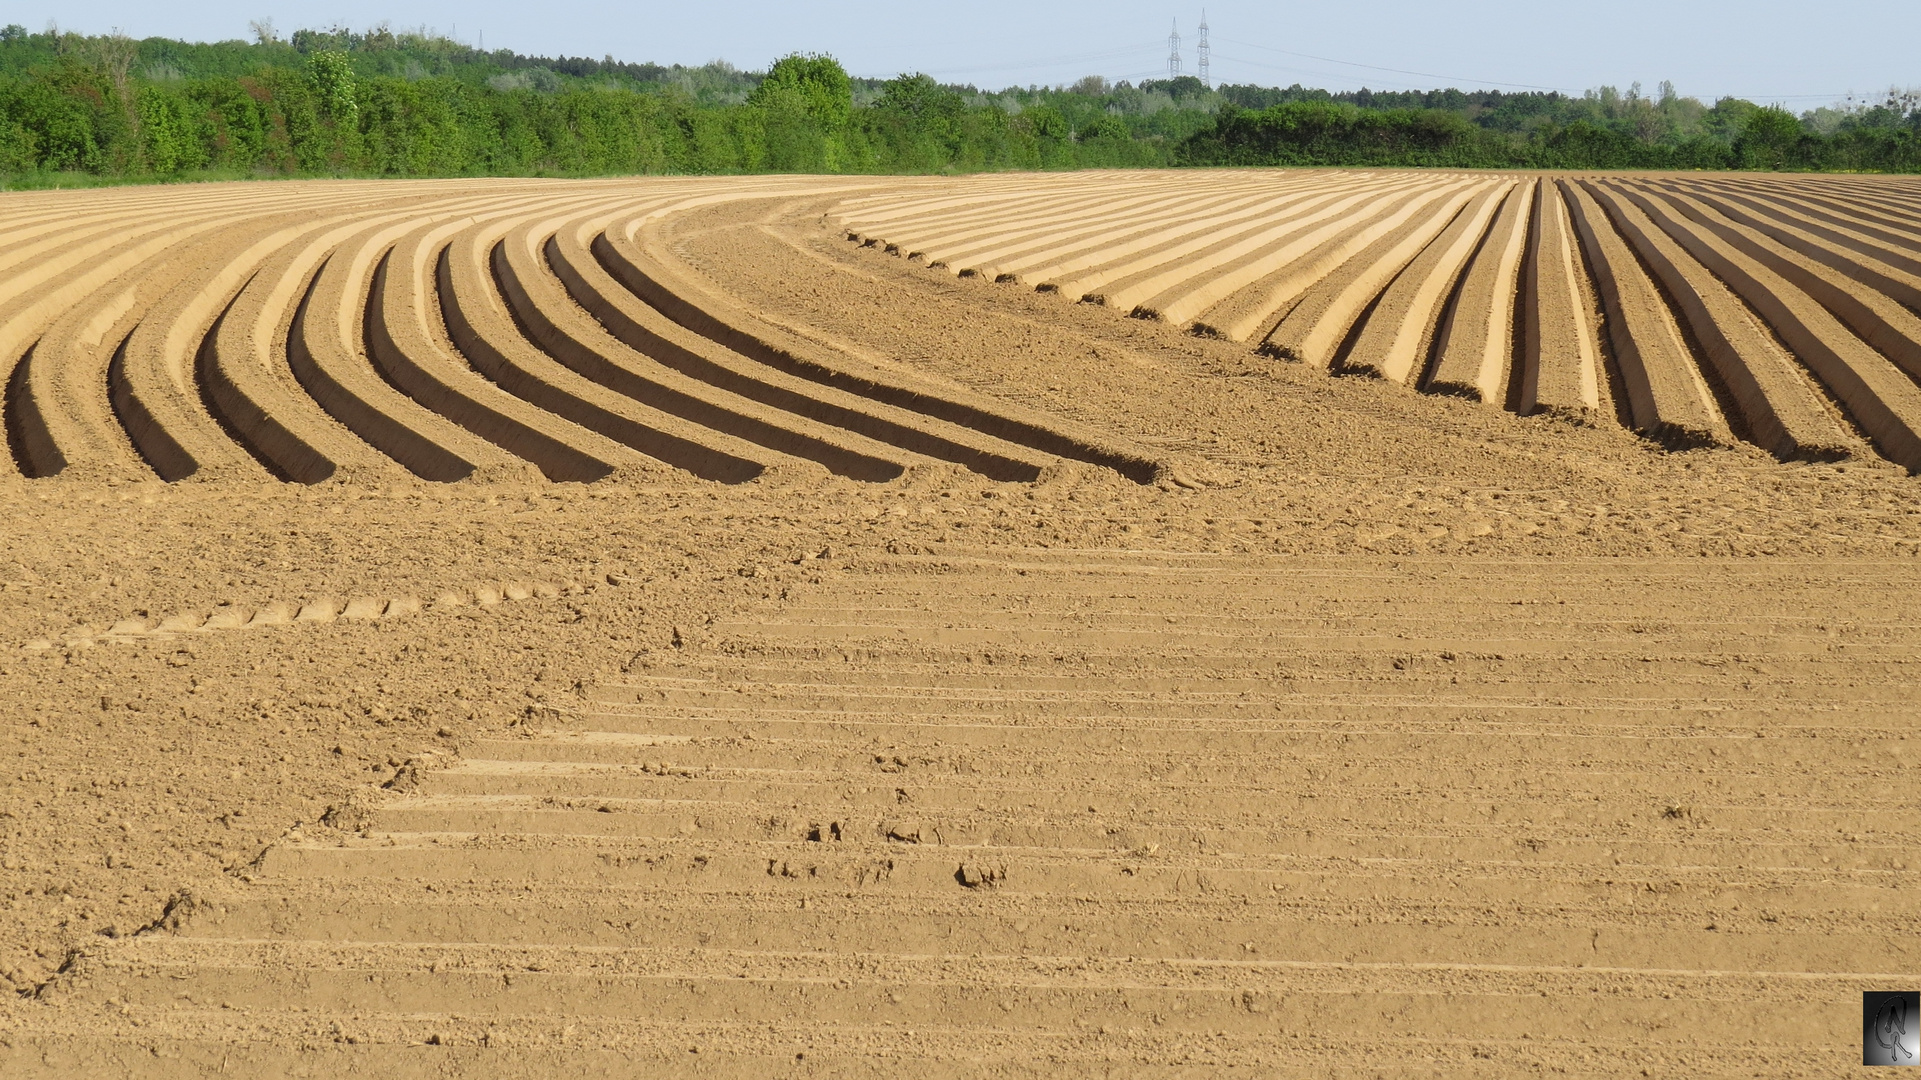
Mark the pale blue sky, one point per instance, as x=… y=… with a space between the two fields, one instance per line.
x=1802 y=54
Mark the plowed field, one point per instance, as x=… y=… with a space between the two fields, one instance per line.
x=623 y=628
x=1694 y=310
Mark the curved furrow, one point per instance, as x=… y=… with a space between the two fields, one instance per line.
x=1477 y=340
x=86 y=248
x=1560 y=363
x=1245 y=301
x=57 y=418
x=947 y=207
x=1180 y=255
x=653 y=277
x=1666 y=396
x=324 y=349
x=1239 y=287
x=30 y=237
x=1315 y=327
x=246 y=378
x=30 y=303
x=176 y=439
x=1084 y=220
x=249 y=383
x=1771 y=396
x=155 y=383
x=651 y=334
x=929 y=235
x=555 y=324
x=480 y=327
x=1395 y=341
x=1893 y=330
x=1073 y=273
x=26 y=245
x=402 y=344
x=1018 y=258
x=1883 y=401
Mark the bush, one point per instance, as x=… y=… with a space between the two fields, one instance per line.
x=380 y=103
x=807 y=85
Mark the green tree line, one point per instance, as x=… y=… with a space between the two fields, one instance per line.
x=379 y=103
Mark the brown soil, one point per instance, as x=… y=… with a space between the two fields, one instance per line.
x=625 y=628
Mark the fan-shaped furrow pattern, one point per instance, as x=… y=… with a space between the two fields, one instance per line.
x=1099 y=267
x=1046 y=248
x=404 y=348
x=653 y=277
x=1074 y=263
x=1316 y=326
x=324 y=349
x=1222 y=263
x=303 y=332
x=645 y=330
x=563 y=330
x=1558 y=299
x=1395 y=340
x=1243 y=303
x=480 y=327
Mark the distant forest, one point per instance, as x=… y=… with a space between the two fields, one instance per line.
x=101 y=109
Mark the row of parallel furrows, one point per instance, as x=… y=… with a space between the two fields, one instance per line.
x=1697 y=311
x=958 y=426
x=918 y=856
x=476 y=334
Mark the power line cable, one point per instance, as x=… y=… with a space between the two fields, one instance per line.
x=1399 y=71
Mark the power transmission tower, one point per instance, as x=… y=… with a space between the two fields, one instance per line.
x=1174 y=52
x=1201 y=50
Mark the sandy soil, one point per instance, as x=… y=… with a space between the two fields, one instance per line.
x=1028 y=689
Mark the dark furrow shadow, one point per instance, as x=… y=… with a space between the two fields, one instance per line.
x=695 y=366
x=599 y=369
x=705 y=462
x=415 y=452
x=223 y=402
x=151 y=441
x=643 y=285
x=28 y=439
x=555 y=459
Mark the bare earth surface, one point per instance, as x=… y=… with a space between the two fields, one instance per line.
x=627 y=629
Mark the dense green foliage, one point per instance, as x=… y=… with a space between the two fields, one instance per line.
x=377 y=103
x=1601 y=131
